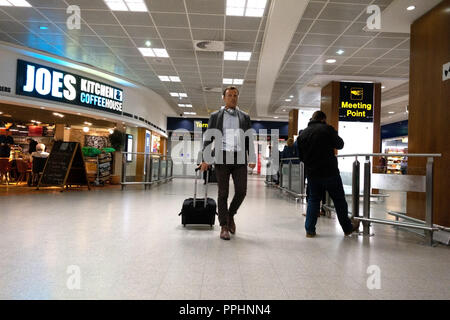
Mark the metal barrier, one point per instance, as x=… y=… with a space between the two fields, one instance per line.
x=414 y=183
x=158 y=168
x=295 y=183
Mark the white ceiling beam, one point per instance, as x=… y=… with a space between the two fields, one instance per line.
x=282 y=22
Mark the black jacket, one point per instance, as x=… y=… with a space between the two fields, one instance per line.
x=316 y=149
x=216 y=122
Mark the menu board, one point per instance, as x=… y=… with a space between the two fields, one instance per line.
x=65 y=166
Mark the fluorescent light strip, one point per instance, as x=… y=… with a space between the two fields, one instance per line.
x=190 y=113
x=185 y=105
x=15 y=3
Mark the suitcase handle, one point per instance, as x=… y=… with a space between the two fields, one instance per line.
x=206 y=186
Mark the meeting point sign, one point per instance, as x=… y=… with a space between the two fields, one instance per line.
x=356 y=102
x=38 y=81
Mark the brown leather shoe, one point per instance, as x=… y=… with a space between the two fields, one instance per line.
x=224 y=234
x=231 y=225
x=355 y=227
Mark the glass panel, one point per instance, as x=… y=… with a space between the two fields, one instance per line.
x=155 y=169
x=163 y=168
x=295 y=178
x=285 y=173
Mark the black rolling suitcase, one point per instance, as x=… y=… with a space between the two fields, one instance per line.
x=199 y=210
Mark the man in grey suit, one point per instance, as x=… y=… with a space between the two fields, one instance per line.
x=233 y=150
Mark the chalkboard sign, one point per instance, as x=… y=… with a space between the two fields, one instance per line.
x=65 y=166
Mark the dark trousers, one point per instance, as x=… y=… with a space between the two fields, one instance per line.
x=317 y=186
x=239 y=174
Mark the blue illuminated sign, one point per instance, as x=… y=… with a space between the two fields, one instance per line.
x=47 y=83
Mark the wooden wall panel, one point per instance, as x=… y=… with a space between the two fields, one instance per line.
x=293 y=123
x=140 y=159
x=329 y=103
x=429 y=109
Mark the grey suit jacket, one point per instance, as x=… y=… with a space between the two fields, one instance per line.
x=216 y=122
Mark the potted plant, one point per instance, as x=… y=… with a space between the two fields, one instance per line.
x=117 y=140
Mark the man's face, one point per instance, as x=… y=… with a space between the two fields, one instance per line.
x=231 y=98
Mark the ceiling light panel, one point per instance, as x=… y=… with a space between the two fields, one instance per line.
x=169 y=79
x=15 y=3
x=239 y=56
x=233 y=81
x=248 y=8
x=178 y=95
x=149 y=52
x=127 y=5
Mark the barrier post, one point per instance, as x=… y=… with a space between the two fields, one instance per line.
x=366 y=205
x=429 y=201
x=355 y=188
x=124 y=169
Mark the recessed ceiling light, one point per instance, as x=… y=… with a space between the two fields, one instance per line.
x=14 y=3
x=233 y=81
x=291 y=96
x=288 y=100
x=127 y=5
x=284 y=110
x=43 y=28
x=340 y=51
x=391 y=112
x=330 y=61
x=383 y=87
x=237 y=56
x=149 y=52
x=86 y=129
x=248 y=8
x=190 y=113
x=276 y=117
x=148 y=43
x=410 y=8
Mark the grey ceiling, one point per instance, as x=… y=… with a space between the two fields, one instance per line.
x=110 y=40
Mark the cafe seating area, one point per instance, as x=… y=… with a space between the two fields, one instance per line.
x=21 y=172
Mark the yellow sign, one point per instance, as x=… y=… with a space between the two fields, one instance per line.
x=361 y=108
x=199 y=124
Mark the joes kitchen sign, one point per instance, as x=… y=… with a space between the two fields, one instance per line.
x=34 y=80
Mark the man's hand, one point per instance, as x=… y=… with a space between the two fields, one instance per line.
x=252 y=165
x=204 y=166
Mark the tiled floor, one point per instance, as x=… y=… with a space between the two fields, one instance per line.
x=130 y=245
